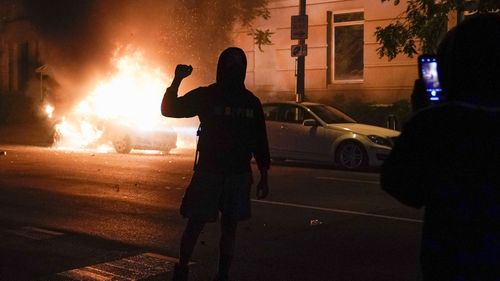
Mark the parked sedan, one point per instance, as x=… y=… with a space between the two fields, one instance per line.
x=315 y=132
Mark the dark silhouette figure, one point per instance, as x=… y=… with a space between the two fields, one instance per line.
x=232 y=131
x=447 y=158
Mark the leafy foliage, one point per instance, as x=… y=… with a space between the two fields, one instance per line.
x=423 y=21
x=261 y=37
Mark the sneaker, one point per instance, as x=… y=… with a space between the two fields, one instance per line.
x=180 y=273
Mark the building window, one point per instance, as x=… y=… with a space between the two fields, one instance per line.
x=347 y=46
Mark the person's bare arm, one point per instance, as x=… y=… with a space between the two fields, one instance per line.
x=171 y=105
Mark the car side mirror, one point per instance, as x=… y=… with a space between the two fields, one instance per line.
x=310 y=123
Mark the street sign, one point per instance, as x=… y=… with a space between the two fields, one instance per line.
x=43 y=69
x=299 y=50
x=299 y=27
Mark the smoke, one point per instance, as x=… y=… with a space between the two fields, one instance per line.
x=79 y=37
x=74 y=42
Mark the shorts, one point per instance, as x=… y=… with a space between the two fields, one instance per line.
x=208 y=194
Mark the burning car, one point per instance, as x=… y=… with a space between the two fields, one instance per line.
x=124 y=139
x=121 y=112
x=95 y=133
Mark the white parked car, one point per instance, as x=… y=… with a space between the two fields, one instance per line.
x=315 y=132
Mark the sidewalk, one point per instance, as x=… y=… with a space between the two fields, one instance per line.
x=24 y=134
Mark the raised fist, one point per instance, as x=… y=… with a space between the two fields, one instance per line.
x=182 y=71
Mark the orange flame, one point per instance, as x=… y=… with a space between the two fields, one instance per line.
x=130 y=97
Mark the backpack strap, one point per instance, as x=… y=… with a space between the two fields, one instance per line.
x=198 y=133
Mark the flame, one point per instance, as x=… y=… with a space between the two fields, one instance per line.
x=49 y=110
x=77 y=134
x=130 y=97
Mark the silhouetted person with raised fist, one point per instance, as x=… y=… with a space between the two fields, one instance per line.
x=232 y=131
x=447 y=158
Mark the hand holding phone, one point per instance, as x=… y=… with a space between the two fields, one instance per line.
x=419 y=97
x=428 y=73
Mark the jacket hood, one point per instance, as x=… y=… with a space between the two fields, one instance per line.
x=232 y=68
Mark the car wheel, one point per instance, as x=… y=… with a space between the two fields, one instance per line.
x=351 y=156
x=122 y=144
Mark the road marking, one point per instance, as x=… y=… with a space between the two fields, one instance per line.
x=88 y=274
x=134 y=268
x=34 y=233
x=348 y=180
x=337 y=211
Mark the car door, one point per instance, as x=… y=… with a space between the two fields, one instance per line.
x=300 y=141
x=273 y=128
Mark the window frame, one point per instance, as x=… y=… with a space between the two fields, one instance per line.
x=305 y=111
x=333 y=25
x=278 y=111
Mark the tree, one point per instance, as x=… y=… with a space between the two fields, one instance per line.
x=422 y=25
x=261 y=37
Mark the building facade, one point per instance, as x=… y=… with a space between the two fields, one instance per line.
x=19 y=50
x=342 y=62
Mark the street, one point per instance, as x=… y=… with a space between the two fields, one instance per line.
x=86 y=215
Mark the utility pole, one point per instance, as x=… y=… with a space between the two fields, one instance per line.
x=299 y=31
x=301 y=61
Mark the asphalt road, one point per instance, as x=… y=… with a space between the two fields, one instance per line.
x=85 y=215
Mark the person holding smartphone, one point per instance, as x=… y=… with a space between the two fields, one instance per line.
x=232 y=131
x=447 y=158
x=427 y=90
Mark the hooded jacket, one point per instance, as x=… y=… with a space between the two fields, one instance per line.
x=232 y=120
x=447 y=159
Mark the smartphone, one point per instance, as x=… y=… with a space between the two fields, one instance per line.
x=428 y=72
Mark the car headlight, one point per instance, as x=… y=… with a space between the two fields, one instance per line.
x=379 y=140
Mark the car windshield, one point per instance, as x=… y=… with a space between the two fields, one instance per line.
x=330 y=114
